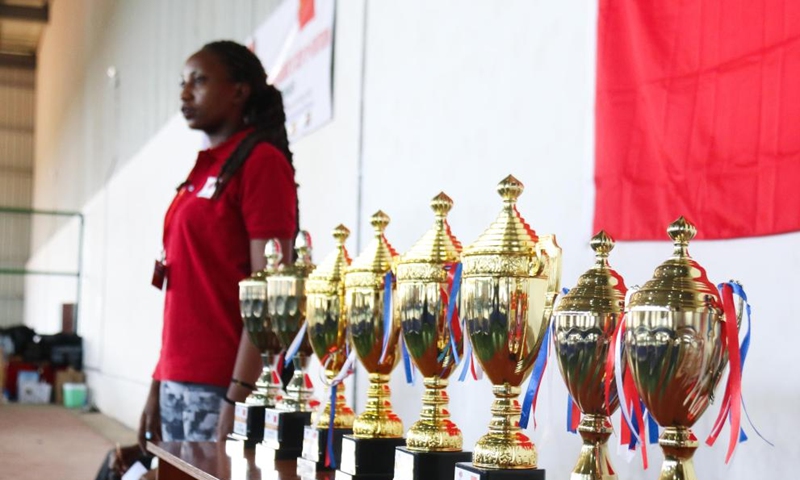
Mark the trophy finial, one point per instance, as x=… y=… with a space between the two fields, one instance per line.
x=341 y=233
x=441 y=204
x=379 y=221
x=302 y=245
x=510 y=189
x=602 y=244
x=681 y=230
x=273 y=254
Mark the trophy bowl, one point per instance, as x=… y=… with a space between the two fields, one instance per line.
x=286 y=306
x=365 y=292
x=584 y=322
x=422 y=302
x=674 y=342
x=327 y=326
x=510 y=281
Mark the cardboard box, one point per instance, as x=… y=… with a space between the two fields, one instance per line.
x=70 y=375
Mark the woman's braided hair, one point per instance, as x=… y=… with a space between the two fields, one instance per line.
x=263 y=110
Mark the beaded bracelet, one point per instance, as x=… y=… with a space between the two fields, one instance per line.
x=228 y=400
x=249 y=386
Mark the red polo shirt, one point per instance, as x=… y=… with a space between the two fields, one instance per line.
x=207 y=244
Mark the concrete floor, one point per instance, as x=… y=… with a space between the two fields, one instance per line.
x=52 y=442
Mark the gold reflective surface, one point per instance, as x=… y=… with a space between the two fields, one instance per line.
x=286 y=304
x=253 y=309
x=364 y=300
x=584 y=322
x=327 y=325
x=675 y=349
x=510 y=281
x=422 y=296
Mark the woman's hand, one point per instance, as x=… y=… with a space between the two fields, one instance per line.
x=225 y=422
x=150 y=423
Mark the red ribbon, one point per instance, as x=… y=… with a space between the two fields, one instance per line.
x=610 y=362
x=732 y=399
x=636 y=414
x=455 y=325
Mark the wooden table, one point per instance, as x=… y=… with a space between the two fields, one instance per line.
x=208 y=461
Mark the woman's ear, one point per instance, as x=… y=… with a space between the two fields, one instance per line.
x=243 y=92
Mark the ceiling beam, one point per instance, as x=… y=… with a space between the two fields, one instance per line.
x=17 y=61
x=28 y=14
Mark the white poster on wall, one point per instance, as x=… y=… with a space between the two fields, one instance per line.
x=295 y=45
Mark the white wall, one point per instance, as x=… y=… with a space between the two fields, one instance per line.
x=456 y=96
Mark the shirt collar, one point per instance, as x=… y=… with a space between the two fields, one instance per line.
x=226 y=148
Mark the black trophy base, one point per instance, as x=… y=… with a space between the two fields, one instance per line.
x=368 y=458
x=283 y=432
x=468 y=471
x=315 y=447
x=411 y=465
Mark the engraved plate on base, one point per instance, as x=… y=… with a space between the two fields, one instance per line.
x=311 y=443
x=403 y=465
x=468 y=471
x=348 y=464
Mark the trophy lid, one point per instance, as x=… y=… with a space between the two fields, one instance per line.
x=679 y=283
x=378 y=255
x=437 y=245
x=508 y=236
x=273 y=255
x=333 y=267
x=600 y=290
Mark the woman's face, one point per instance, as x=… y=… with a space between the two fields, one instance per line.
x=210 y=100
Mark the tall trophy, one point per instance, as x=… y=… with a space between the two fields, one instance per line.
x=584 y=323
x=248 y=424
x=425 y=278
x=369 y=452
x=674 y=341
x=286 y=306
x=327 y=331
x=510 y=281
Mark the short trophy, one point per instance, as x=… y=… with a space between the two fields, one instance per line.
x=584 y=323
x=674 y=341
x=510 y=281
x=425 y=282
x=286 y=305
x=369 y=452
x=248 y=425
x=327 y=332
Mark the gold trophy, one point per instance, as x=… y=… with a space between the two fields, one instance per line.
x=584 y=323
x=248 y=425
x=510 y=281
x=378 y=430
x=433 y=443
x=286 y=306
x=327 y=331
x=675 y=348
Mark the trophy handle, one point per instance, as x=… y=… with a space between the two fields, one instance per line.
x=549 y=254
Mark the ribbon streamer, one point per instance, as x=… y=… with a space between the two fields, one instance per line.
x=388 y=280
x=573 y=415
x=295 y=346
x=454 y=281
x=407 y=367
x=330 y=457
x=536 y=379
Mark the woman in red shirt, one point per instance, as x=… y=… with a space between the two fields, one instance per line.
x=240 y=193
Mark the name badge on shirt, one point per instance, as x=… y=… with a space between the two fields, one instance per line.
x=208 y=189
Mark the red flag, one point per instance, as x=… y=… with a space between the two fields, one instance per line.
x=305 y=13
x=697 y=114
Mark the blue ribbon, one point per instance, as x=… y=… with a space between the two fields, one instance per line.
x=569 y=415
x=406 y=362
x=451 y=308
x=387 y=312
x=744 y=348
x=467 y=357
x=652 y=429
x=536 y=378
x=331 y=460
x=295 y=346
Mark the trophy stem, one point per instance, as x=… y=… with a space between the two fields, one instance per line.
x=378 y=419
x=297 y=392
x=593 y=463
x=505 y=446
x=344 y=415
x=267 y=389
x=678 y=444
x=434 y=432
